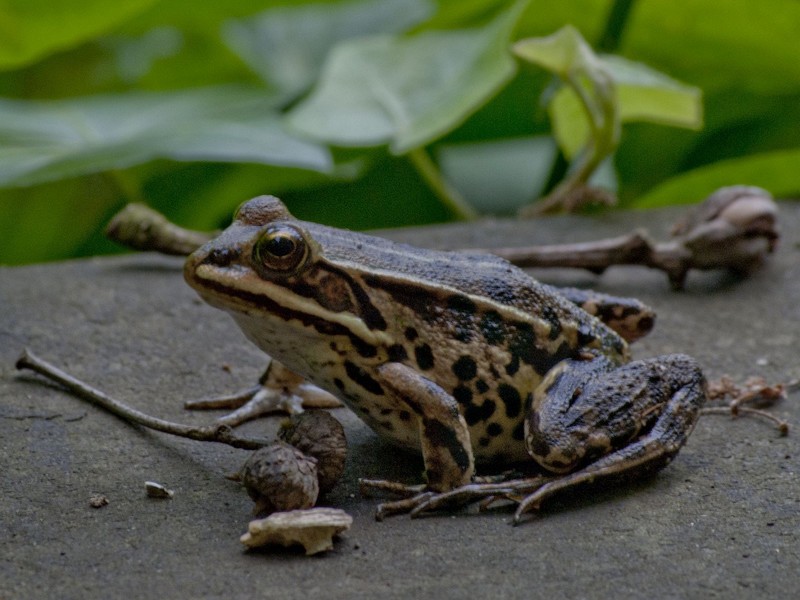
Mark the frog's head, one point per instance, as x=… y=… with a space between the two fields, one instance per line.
x=279 y=276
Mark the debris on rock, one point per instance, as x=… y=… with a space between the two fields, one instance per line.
x=98 y=501
x=314 y=529
x=279 y=477
x=318 y=434
x=156 y=490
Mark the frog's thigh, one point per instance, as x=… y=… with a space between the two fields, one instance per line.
x=591 y=419
x=446 y=447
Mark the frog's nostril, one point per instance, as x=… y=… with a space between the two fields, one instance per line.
x=221 y=257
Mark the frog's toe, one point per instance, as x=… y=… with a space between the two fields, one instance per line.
x=418 y=499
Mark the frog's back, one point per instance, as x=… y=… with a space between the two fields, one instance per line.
x=468 y=284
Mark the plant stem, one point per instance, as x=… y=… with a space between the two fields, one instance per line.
x=432 y=176
x=615 y=25
x=609 y=41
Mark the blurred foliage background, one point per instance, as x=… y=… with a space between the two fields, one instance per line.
x=364 y=113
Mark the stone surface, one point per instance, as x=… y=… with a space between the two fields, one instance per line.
x=723 y=520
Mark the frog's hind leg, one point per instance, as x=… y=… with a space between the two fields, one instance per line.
x=278 y=390
x=591 y=420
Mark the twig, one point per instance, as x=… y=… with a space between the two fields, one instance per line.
x=222 y=434
x=632 y=249
x=754 y=391
x=734 y=228
x=142 y=228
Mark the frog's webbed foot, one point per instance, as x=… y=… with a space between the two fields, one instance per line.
x=278 y=390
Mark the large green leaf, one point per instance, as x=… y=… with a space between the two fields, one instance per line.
x=407 y=91
x=778 y=172
x=30 y=29
x=736 y=43
x=287 y=45
x=43 y=141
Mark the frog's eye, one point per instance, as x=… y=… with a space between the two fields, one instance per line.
x=282 y=249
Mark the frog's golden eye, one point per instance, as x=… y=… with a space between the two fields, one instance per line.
x=281 y=249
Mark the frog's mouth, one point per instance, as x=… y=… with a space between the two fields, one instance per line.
x=236 y=289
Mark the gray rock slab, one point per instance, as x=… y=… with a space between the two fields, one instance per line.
x=723 y=520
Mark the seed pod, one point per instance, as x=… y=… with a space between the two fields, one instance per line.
x=280 y=477
x=318 y=434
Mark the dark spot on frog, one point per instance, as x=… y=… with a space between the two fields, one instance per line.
x=511 y=400
x=404 y=415
x=519 y=432
x=461 y=304
x=424 y=357
x=387 y=425
x=438 y=434
x=550 y=315
x=339 y=384
x=462 y=394
x=585 y=335
x=523 y=342
x=484 y=442
x=465 y=368
x=543 y=360
x=362 y=378
x=397 y=353
x=411 y=334
x=494 y=429
x=386 y=411
x=481 y=386
x=474 y=414
x=363 y=348
x=513 y=365
x=492 y=327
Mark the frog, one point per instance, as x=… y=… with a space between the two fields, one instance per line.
x=458 y=355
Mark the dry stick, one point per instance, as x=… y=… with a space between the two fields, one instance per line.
x=222 y=434
x=717 y=243
x=632 y=249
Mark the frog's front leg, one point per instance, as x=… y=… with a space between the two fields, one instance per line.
x=444 y=436
x=279 y=390
x=592 y=420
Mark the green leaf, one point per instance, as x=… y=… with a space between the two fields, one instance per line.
x=31 y=29
x=407 y=91
x=498 y=176
x=639 y=92
x=776 y=172
x=43 y=141
x=563 y=53
x=642 y=94
x=287 y=45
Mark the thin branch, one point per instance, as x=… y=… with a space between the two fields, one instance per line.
x=734 y=228
x=222 y=434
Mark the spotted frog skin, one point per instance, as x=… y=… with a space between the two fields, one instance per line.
x=462 y=356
